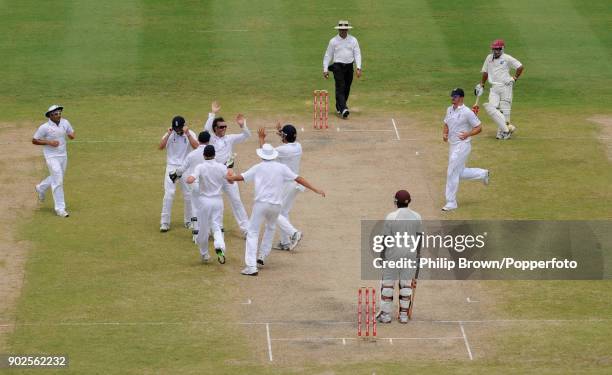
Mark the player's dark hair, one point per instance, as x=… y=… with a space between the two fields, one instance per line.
x=401 y=204
x=216 y=122
x=204 y=137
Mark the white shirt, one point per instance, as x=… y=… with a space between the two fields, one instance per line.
x=342 y=51
x=224 y=145
x=460 y=119
x=290 y=154
x=177 y=148
x=400 y=221
x=270 y=177
x=210 y=176
x=193 y=159
x=499 y=69
x=50 y=131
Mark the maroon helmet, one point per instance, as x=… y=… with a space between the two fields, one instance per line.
x=498 y=43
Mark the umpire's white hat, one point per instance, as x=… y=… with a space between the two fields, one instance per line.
x=343 y=25
x=54 y=107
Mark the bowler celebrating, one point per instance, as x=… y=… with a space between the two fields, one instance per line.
x=460 y=125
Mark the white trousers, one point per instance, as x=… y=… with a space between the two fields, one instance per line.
x=458 y=154
x=233 y=194
x=500 y=105
x=55 y=181
x=210 y=207
x=196 y=205
x=290 y=192
x=263 y=213
x=169 y=191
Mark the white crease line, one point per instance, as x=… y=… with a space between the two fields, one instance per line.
x=222 y=31
x=248 y=302
x=343 y=339
x=465 y=340
x=269 y=342
x=363 y=130
x=395 y=127
x=304 y=322
x=471 y=300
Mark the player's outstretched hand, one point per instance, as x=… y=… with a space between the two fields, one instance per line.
x=320 y=192
x=215 y=106
x=240 y=119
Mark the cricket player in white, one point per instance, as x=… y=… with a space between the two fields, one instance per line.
x=496 y=69
x=460 y=124
x=52 y=135
x=193 y=159
x=178 y=142
x=210 y=177
x=290 y=154
x=224 y=145
x=269 y=178
x=403 y=220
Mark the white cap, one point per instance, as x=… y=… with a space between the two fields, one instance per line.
x=267 y=152
x=54 y=107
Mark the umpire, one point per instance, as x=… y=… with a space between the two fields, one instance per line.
x=343 y=50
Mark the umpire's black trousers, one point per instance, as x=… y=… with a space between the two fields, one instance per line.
x=343 y=75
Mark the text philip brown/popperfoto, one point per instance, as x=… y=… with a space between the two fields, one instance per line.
x=459 y=244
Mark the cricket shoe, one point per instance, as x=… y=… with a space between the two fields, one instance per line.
x=249 y=271
x=188 y=225
x=194 y=235
x=448 y=208
x=295 y=239
x=40 y=195
x=383 y=317
x=205 y=258
x=164 y=227
x=220 y=255
x=505 y=135
x=485 y=181
x=511 y=128
x=345 y=113
x=260 y=262
x=62 y=213
x=281 y=246
x=403 y=317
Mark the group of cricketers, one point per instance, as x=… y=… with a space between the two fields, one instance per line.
x=202 y=165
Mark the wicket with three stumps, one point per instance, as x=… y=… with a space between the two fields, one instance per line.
x=370 y=311
x=321 y=109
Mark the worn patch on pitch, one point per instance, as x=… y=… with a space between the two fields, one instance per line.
x=605 y=122
x=18 y=161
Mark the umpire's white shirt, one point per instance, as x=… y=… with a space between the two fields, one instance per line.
x=224 y=145
x=51 y=131
x=211 y=177
x=177 y=148
x=499 y=69
x=460 y=119
x=343 y=51
x=269 y=177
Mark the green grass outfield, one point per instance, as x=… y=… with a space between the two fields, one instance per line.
x=123 y=68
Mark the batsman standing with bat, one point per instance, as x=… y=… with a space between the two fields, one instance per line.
x=403 y=220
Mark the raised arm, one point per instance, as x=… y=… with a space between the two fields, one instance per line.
x=215 y=107
x=164 y=140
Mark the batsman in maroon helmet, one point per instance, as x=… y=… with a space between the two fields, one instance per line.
x=497 y=69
